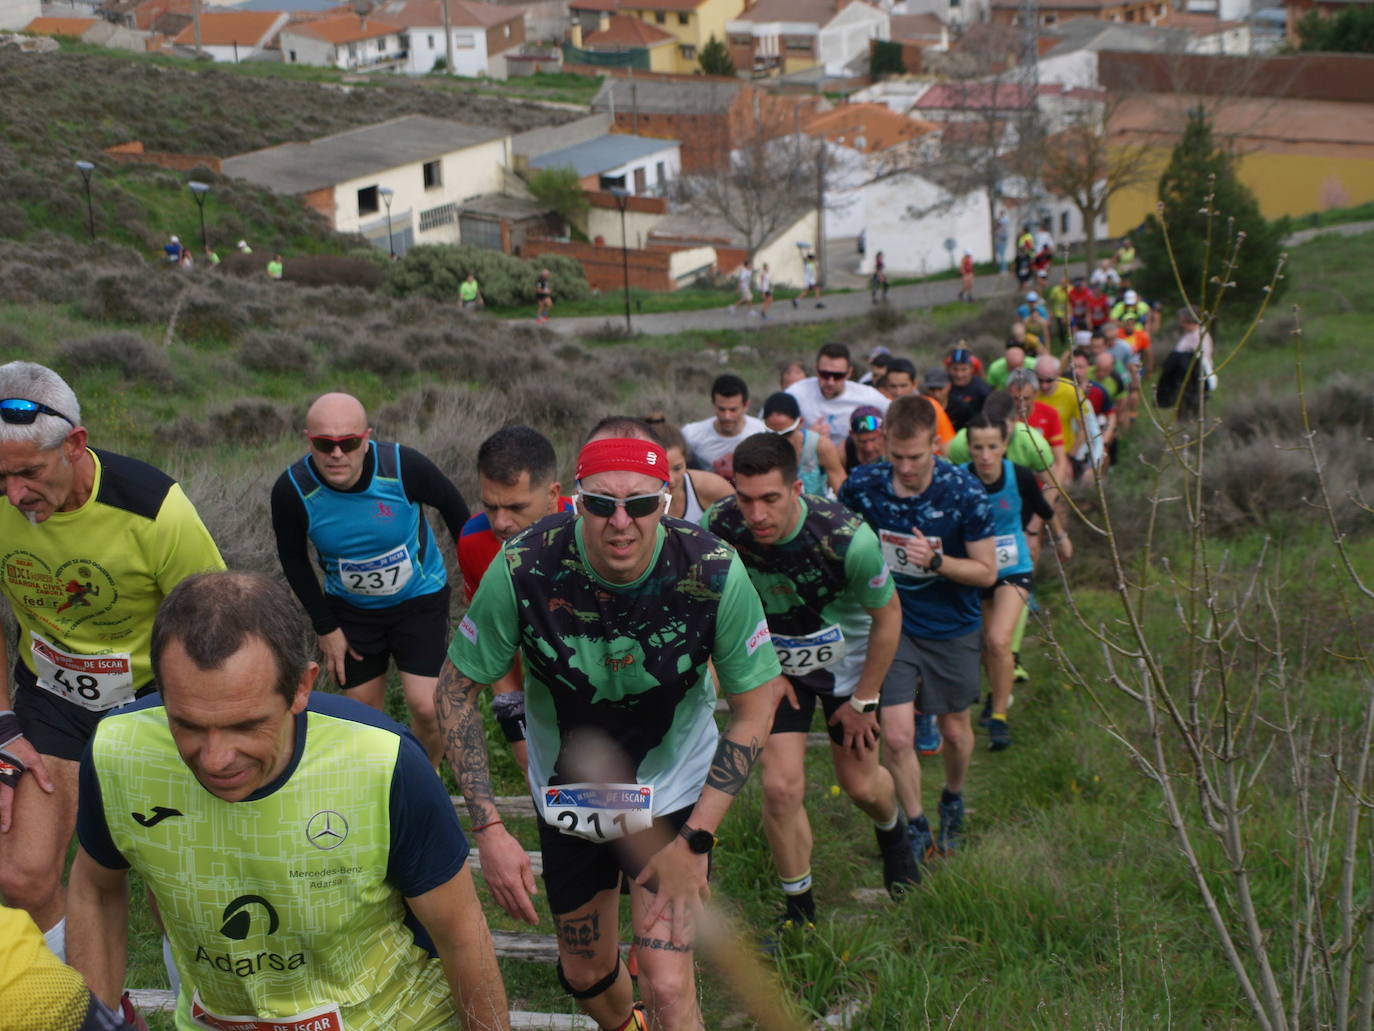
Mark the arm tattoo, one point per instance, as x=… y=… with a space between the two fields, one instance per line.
x=731 y=765
x=465 y=741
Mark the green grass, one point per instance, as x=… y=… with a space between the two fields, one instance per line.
x=1334 y=216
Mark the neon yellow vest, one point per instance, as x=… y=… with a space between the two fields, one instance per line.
x=275 y=906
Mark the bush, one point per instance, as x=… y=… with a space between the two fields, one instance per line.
x=132 y=298
x=332 y=270
x=276 y=352
x=206 y=317
x=436 y=271
x=129 y=354
x=381 y=357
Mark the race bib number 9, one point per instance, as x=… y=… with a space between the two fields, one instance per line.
x=599 y=812
x=1008 y=554
x=95 y=682
x=379 y=576
x=897 y=553
x=799 y=656
x=322 y=1018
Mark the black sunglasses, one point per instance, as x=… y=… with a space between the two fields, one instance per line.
x=326 y=445
x=18 y=411
x=603 y=506
x=825 y=374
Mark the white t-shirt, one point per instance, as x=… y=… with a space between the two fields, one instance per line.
x=709 y=446
x=837 y=410
x=744 y=279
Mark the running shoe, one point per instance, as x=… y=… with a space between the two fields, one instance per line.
x=922 y=842
x=928 y=740
x=1019 y=674
x=951 y=824
x=999 y=734
x=901 y=872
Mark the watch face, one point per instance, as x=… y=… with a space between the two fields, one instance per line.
x=701 y=842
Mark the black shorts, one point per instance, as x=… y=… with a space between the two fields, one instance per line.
x=413 y=632
x=577 y=870
x=1022 y=580
x=54 y=725
x=787 y=720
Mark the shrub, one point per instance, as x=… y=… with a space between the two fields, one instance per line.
x=207 y=317
x=382 y=357
x=22 y=283
x=276 y=352
x=129 y=354
x=332 y=270
x=132 y=298
x=436 y=271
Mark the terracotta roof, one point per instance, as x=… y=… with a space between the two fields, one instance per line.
x=804 y=12
x=430 y=13
x=343 y=28
x=169 y=23
x=225 y=28
x=60 y=26
x=626 y=30
x=661 y=5
x=867 y=127
x=594 y=5
x=974 y=96
x=916 y=26
x=1202 y=24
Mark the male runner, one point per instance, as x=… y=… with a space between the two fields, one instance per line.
x=517 y=476
x=358 y=501
x=830 y=396
x=711 y=441
x=835 y=621
x=967 y=390
x=90 y=544
x=543 y=297
x=617 y=611
x=306 y=861
x=936 y=530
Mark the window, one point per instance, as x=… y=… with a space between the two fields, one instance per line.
x=431 y=41
x=292 y=55
x=1063 y=223
x=434 y=175
x=368 y=201
x=611 y=182
x=660 y=173
x=684 y=18
x=443 y=215
x=480 y=232
x=661 y=17
x=463 y=40
x=689 y=52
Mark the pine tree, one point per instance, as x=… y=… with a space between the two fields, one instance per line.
x=1203 y=230
x=715 y=58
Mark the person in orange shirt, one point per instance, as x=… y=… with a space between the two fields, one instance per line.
x=935 y=387
x=1131 y=330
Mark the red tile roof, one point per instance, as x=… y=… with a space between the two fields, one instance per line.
x=343 y=28
x=430 y=13
x=225 y=28
x=60 y=26
x=626 y=30
x=867 y=127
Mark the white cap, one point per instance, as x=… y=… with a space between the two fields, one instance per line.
x=1032 y=297
x=1130 y=297
x=242 y=244
x=1082 y=337
x=176 y=239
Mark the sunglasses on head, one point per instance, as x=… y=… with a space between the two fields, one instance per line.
x=637 y=506
x=19 y=411
x=866 y=423
x=348 y=444
x=825 y=374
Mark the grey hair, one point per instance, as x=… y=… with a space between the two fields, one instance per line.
x=34 y=382
x=1022 y=377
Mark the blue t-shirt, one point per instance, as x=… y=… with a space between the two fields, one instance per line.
x=953 y=509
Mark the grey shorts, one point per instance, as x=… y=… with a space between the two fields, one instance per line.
x=939 y=676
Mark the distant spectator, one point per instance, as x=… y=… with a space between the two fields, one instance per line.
x=811 y=281
x=966 y=278
x=211 y=258
x=879 y=280
x=172 y=248
x=275 y=267
x=469 y=294
x=1032 y=303
x=243 y=247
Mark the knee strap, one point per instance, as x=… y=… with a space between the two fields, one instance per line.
x=601 y=986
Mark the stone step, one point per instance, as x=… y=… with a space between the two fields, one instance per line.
x=536 y=861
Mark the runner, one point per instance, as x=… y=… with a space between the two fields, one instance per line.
x=899 y=379
x=1013 y=358
x=306 y=862
x=92 y=543
x=966 y=278
x=517 y=481
x=966 y=390
x=1082 y=439
x=829 y=398
x=819 y=463
x=1100 y=398
x=469 y=294
x=712 y=441
x=623 y=699
x=765 y=290
x=543 y=297
x=358 y=502
x=811 y=283
x=865 y=441
x=878 y=282
x=744 y=287
x=275 y=267
x=835 y=621
x=1022 y=387
x=692 y=491
x=1013 y=496
x=936 y=530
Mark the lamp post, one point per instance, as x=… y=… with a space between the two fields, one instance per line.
x=622 y=197
x=386 y=193
x=86 y=168
x=198 y=191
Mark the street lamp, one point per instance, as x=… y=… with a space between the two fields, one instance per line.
x=86 y=168
x=198 y=191
x=622 y=197
x=386 y=193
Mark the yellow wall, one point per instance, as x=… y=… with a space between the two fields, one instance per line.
x=706 y=20
x=663 y=58
x=1284 y=184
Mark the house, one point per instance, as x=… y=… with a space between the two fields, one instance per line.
x=233 y=36
x=783 y=252
x=73 y=28
x=344 y=41
x=141 y=14
x=1147 y=12
x=481 y=32
x=784 y=36
x=692 y=23
x=618 y=161
x=408 y=177
x=915 y=34
x=623 y=41
x=501 y=222
x=15 y=14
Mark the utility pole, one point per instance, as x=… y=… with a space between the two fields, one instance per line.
x=1028 y=82
x=448 y=38
x=195 y=24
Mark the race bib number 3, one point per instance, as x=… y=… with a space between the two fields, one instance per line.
x=95 y=682
x=799 y=656
x=599 y=812
x=323 y=1018
x=897 y=554
x=379 y=576
x=1008 y=554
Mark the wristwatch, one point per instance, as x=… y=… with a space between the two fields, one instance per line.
x=700 y=842
x=936 y=561
x=864 y=705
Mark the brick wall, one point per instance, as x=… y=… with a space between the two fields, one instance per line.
x=603 y=267
x=642 y=205
x=1346 y=77
x=133 y=153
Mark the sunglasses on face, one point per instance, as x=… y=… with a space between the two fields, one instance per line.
x=789 y=431
x=348 y=444
x=1045 y=379
x=823 y=374
x=18 y=411
x=603 y=506
x=866 y=424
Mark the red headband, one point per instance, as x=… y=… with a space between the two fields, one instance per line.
x=623 y=455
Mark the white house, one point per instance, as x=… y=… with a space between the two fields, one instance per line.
x=481 y=32
x=15 y=14
x=789 y=35
x=407 y=177
x=234 y=36
x=343 y=41
x=921 y=228
x=636 y=164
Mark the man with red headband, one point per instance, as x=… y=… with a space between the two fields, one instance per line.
x=617 y=611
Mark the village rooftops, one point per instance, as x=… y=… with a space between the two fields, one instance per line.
x=342 y=28
x=794 y=12
x=678 y=97
x=60 y=26
x=430 y=13
x=601 y=154
x=867 y=127
x=626 y=31
x=295 y=168
x=226 y=28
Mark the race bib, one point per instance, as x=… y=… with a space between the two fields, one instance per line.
x=895 y=552
x=324 y=1018
x=599 y=812
x=1008 y=554
x=378 y=576
x=799 y=656
x=95 y=682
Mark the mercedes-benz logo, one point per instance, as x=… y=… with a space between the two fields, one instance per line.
x=326 y=829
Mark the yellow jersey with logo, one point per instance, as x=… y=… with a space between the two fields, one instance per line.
x=37 y=990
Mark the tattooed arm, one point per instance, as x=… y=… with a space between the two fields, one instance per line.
x=505 y=865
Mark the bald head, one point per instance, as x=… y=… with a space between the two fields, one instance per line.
x=1047 y=367
x=336 y=415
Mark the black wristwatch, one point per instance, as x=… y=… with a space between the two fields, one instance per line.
x=936 y=561
x=700 y=842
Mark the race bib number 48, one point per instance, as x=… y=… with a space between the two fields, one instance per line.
x=379 y=576
x=599 y=812
x=799 y=656
x=897 y=553
x=95 y=682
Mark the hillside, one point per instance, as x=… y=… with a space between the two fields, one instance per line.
x=62 y=107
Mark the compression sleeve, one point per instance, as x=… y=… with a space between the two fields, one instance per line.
x=743 y=651
x=91 y=828
x=1032 y=497
x=291 y=527
x=428 y=846
x=426 y=485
